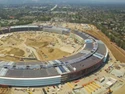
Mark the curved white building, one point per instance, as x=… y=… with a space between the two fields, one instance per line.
x=91 y=58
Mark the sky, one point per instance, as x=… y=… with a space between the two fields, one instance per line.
x=58 y=1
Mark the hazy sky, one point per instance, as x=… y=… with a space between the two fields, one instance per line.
x=54 y=1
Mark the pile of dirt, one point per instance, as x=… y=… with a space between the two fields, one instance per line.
x=47 y=53
x=16 y=52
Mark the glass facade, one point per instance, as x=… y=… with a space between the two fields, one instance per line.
x=30 y=82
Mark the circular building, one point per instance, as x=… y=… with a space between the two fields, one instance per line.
x=42 y=73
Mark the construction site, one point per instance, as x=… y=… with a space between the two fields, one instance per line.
x=42 y=46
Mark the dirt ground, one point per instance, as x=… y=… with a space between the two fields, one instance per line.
x=51 y=54
x=5 y=90
x=120 y=91
x=40 y=45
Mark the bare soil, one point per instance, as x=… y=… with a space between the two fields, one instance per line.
x=40 y=45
